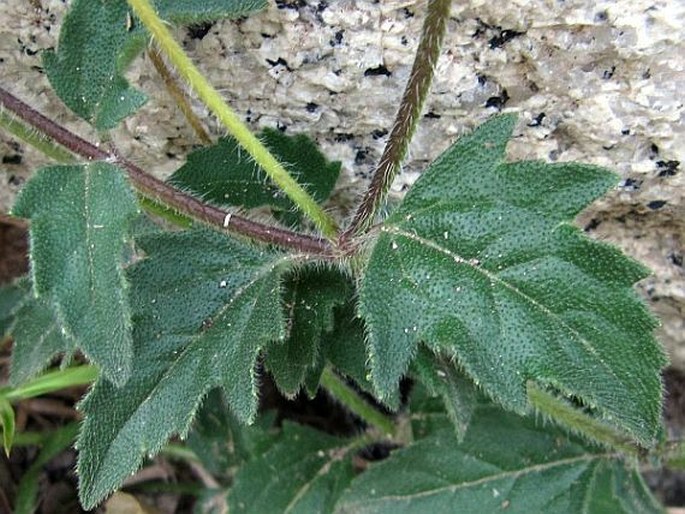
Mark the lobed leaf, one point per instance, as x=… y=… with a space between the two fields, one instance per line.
x=97 y=42
x=204 y=306
x=304 y=471
x=505 y=463
x=224 y=175
x=80 y=216
x=481 y=264
x=442 y=378
x=309 y=301
x=38 y=336
x=221 y=442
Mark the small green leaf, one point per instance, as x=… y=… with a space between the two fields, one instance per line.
x=345 y=348
x=11 y=298
x=79 y=220
x=505 y=464
x=36 y=332
x=97 y=42
x=7 y=424
x=221 y=442
x=204 y=306
x=481 y=264
x=27 y=499
x=304 y=472
x=37 y=338
x=310 y=296
x=87 y=70
x=442 y=378
x=224 y=175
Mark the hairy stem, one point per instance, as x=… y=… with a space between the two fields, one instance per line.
x=215 y=103
x=160 y=192
x=178 y=95
x=572 y=418
x=413 y=99
x=52 y=381
x=35 y=139
x=355 y=403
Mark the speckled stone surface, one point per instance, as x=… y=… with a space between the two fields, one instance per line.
x=597 y=81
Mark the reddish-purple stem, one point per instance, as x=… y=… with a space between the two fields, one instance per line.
x=162 y=192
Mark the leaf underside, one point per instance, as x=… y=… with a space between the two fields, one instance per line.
x=204 y=306
x=505 y=463
x=97 y=42
x=223 y=174
x=80 y=216
x=480 y=262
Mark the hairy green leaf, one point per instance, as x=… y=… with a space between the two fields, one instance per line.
x=310 y=297
x=221 y=442
x=224 y=175
x=305 y=471
x=87 y=70
x=79 y=220
x=97 y=42
x=442 y=378
x=204 y=306
x=27 y=499
x=505 y=463
x=345 y=348
x=480 y=263
x=12 y=296
x=38 y=337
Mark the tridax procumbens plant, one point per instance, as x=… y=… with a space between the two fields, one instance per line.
x=536 y=376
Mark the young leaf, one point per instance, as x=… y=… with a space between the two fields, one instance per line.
x=38 y=337
x=443 y=379
x=305 y=471
x=505 y=463
x=11 y=297
x=345 y=348
x=79 y=219
x=27 y=500
x=221 y=442
x=310 y=297
x=204 y=306
x=87 y=70
x=480 y=262
x=224 y=175
x=97 y=42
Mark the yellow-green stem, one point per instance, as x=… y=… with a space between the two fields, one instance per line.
x=355 y=403
x=52 y=381
x=215 y=103
x=569 y=416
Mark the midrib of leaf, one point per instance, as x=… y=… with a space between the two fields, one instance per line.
x=334 y=455
x=505 y=475
x=494 y=278
x=262 y=272
x=89 y=232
